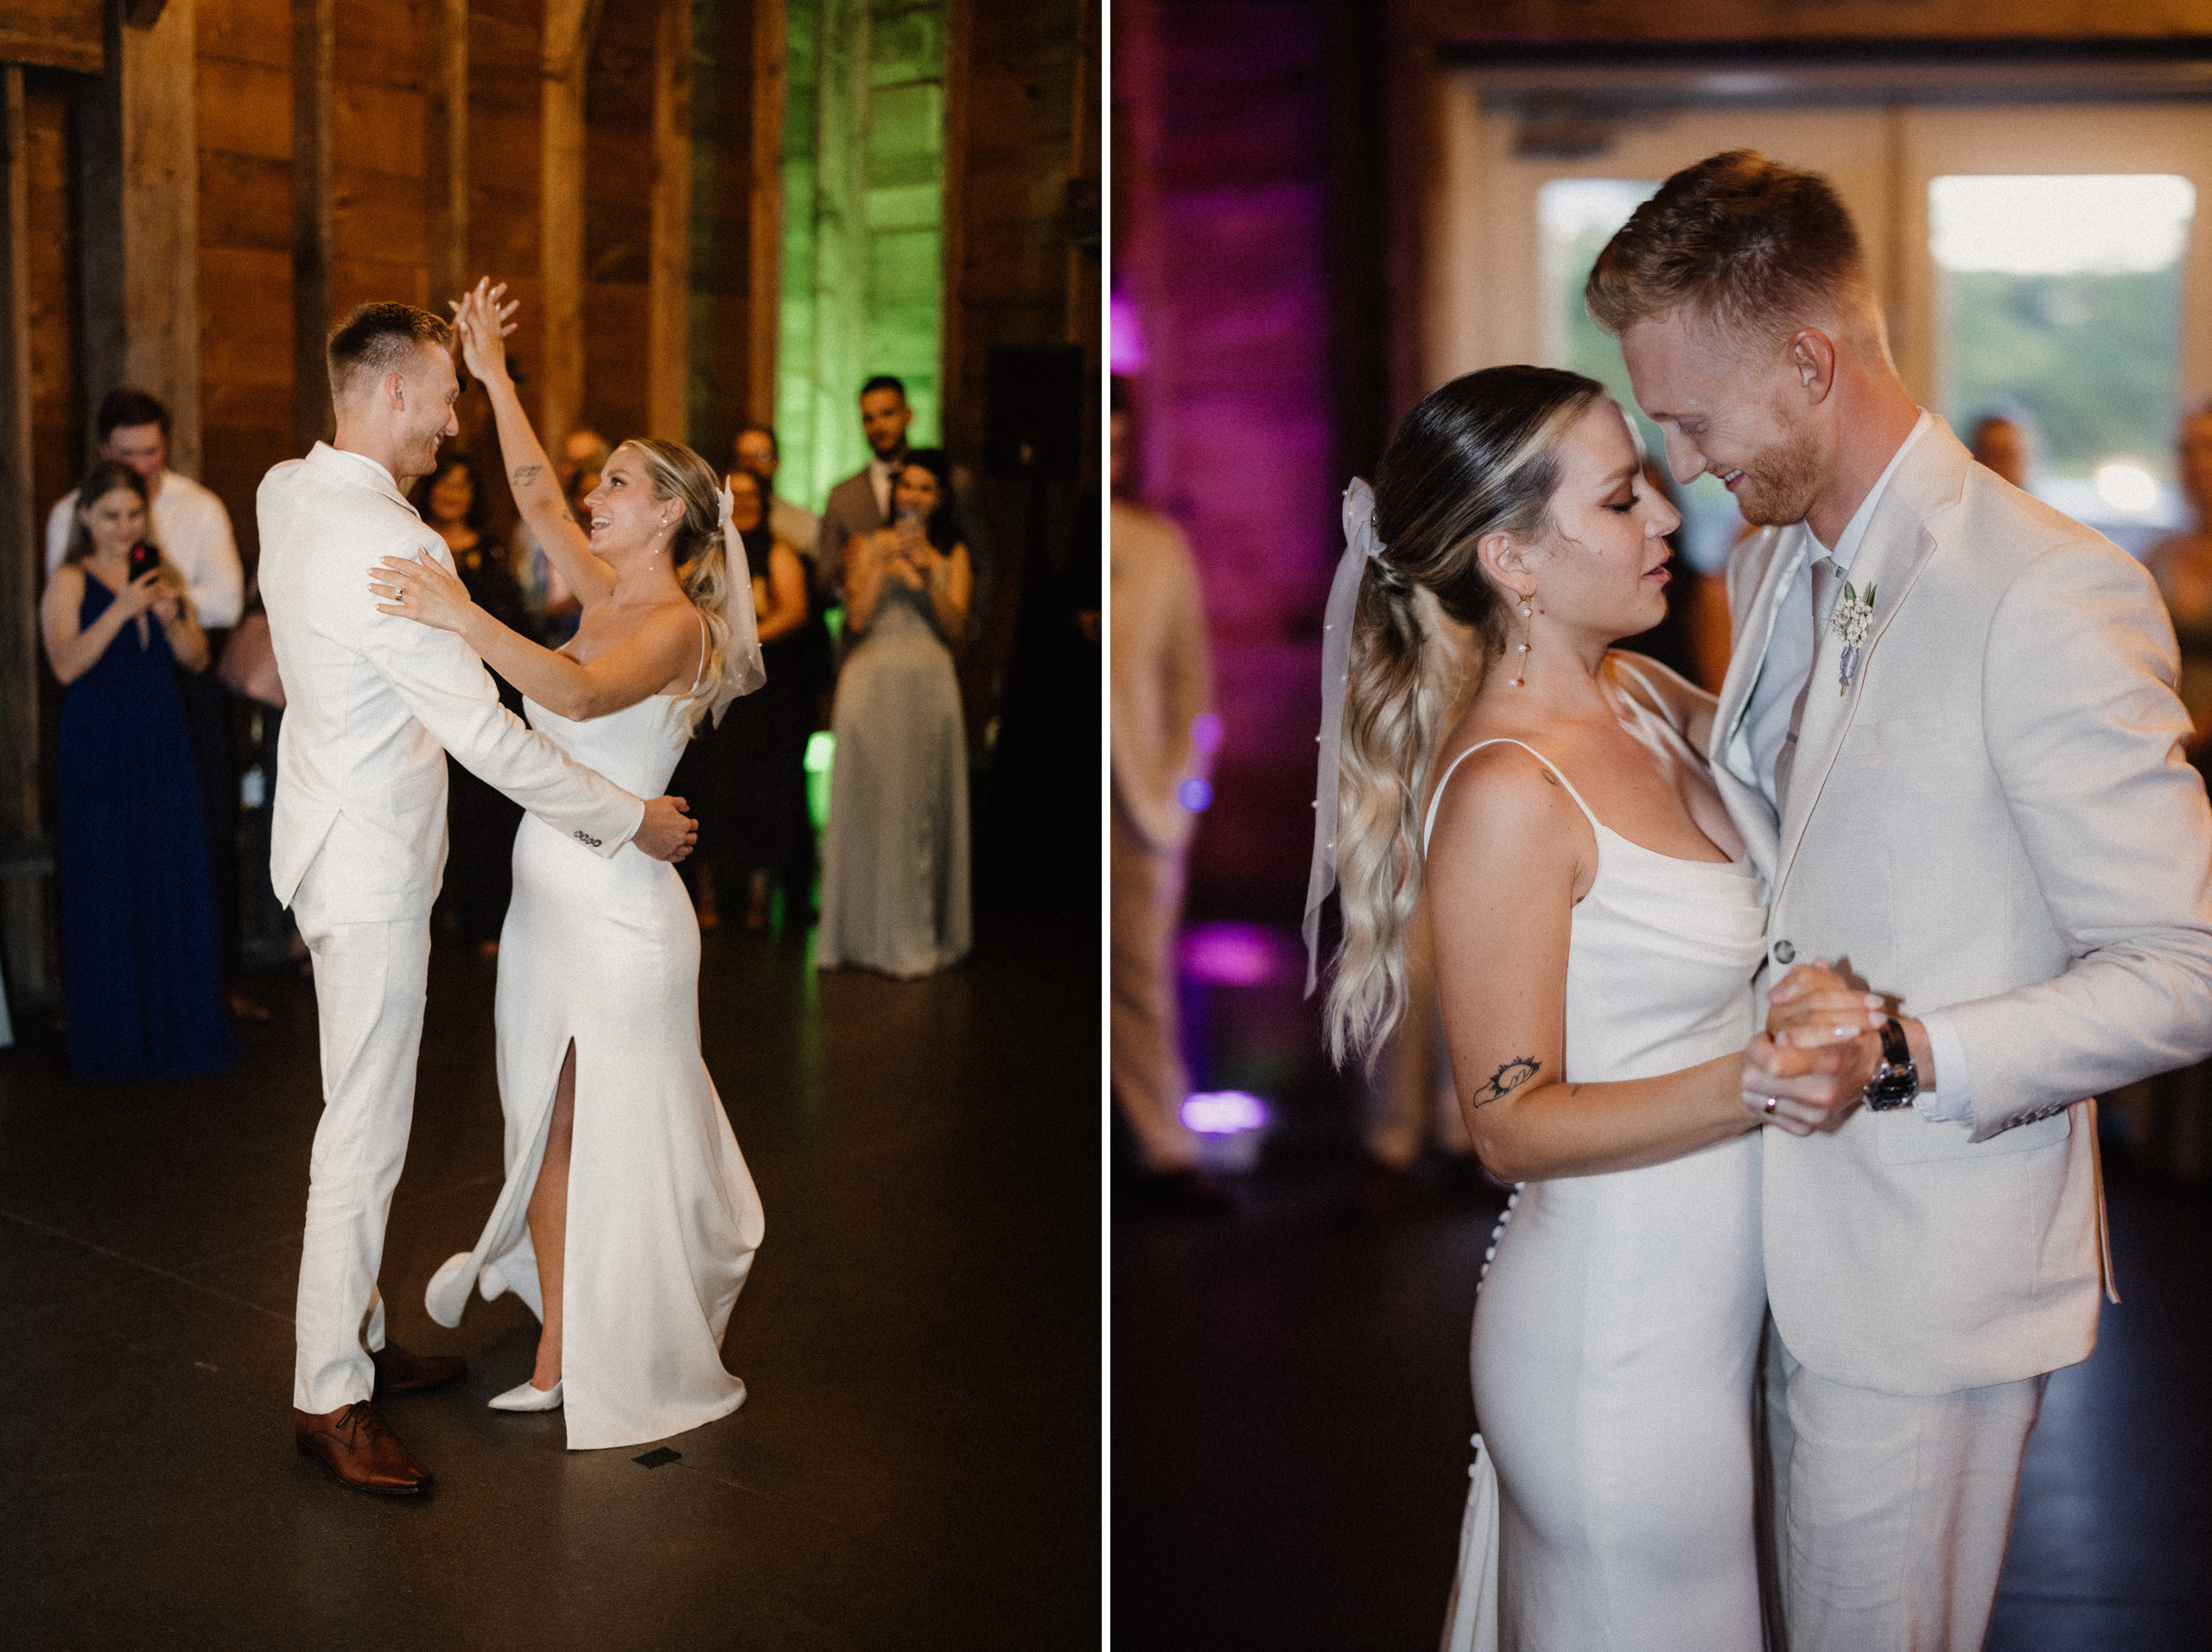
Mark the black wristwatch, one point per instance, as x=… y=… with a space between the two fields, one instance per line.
x=1896 y=1081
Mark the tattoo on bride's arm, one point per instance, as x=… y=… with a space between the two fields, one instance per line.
x=1508 y=1078
x=524 y=475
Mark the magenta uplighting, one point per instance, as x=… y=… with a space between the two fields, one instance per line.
x=1237 y=954
x=1206 y=732
x=1128 y=338
x=1223 y=1112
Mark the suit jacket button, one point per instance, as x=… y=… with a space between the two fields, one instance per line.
x=1784 y=953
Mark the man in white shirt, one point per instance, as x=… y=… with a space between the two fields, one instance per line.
x=189 y=523
x=756 y=450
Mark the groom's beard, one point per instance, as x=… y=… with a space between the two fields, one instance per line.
x=1778 y=486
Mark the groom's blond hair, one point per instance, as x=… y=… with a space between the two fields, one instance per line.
x=1753 y=248
x=373 y=340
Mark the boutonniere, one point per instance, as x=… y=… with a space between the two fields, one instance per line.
x=1853 y=619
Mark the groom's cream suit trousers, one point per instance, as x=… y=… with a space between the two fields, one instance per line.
x=373 y=702
x=1988 y=814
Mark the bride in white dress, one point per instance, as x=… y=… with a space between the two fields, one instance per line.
x=628 y=1221
x=1596 y=930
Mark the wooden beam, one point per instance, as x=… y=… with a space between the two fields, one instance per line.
x=24 y=889
x=54 y=34
x=445 y=170
x=668 y=300
x=565 y=50
x=19 y=517
x=952 y=376
x=765 y=207
x=161 y=220
x=314 y=50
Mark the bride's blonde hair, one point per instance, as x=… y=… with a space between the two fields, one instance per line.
x=1476 y=457
x=702 y=567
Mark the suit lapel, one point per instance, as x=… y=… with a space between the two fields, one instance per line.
x=1783 y=550
x=1899 y=541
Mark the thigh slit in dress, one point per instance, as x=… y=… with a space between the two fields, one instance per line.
x=663 y=1219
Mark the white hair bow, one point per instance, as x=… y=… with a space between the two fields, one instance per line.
x=1361 y=545
x=727 y=505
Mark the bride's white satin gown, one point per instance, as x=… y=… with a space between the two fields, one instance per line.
x=663 y=1217
x=1617 y=1331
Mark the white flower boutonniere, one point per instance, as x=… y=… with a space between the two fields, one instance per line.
x=1853 y=619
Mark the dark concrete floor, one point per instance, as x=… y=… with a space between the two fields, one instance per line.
x=1291 y=1416
x=917 y=1466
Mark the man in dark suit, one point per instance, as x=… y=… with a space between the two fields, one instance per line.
x=862 y=503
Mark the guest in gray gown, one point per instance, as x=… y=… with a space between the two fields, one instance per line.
x=895 y=880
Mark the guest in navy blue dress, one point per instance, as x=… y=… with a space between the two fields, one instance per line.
x=140 y=953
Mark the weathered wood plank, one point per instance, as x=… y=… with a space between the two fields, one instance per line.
x=244 y=31
x=668 y=312
x=56 y=34
x=315 y=43
x=764 y=187
x=445 y=166
x=244 y=201
x=380 y=128
x=569 y=25
x=244 y=108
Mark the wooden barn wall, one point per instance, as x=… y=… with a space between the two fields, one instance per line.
x=618 y=222
x=724 y=116
x=58 y=455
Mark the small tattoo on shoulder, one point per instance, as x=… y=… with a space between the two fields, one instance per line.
x=1508 y=1078
x=525 y=474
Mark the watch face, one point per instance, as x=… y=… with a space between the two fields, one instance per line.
x=1891 y=1088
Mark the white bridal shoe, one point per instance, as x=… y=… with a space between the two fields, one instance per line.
x=526 y=1398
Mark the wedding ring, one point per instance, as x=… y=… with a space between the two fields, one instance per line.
x=1770 y=1100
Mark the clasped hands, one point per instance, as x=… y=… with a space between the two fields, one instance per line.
x=1821 y=1044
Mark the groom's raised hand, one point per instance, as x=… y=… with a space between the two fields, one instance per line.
x=668 y=831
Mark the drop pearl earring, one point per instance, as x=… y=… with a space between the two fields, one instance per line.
x=1520 y=679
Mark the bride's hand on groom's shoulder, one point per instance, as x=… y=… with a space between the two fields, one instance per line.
x=419 y=589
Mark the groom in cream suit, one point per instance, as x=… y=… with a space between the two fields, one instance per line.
x=1950 y=738
x=373 y=704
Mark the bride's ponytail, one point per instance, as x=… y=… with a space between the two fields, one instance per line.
x=1474 y=458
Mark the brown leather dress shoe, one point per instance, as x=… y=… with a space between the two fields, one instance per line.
x=401 y=1372
x=360 y=1449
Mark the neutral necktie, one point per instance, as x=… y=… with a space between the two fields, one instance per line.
x=1827 y=578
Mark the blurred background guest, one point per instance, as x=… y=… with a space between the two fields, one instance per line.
x=741 y=775
x=553 y=607
x=2004 y=438
x=139 y=942
x=193 y=530
x=756 y=451
x=895 y=872
x=862 y=503
x=480 y=822
x=2182 y=566
x=1162 y=683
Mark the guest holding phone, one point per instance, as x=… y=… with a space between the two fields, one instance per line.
x=894 y=876
x=139 y=943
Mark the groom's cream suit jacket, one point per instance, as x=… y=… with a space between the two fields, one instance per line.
x=374 y=701
x=1995 y=820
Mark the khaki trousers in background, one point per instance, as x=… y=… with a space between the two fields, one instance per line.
x=371 y=981
x=1893 y=1511
x=1150 y=1081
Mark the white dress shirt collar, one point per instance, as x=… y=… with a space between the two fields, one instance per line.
x=373 y=472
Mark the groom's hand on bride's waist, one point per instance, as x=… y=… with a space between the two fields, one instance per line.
x=668 y=831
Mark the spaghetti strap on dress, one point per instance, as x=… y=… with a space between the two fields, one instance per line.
x=1618 y=1321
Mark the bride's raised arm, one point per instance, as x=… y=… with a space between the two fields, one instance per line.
x=482 y=320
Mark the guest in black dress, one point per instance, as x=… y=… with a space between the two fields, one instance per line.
x=480 y=822
x=140 y=950
x=747 y=778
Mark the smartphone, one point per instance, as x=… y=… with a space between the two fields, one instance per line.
x=144 y=559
